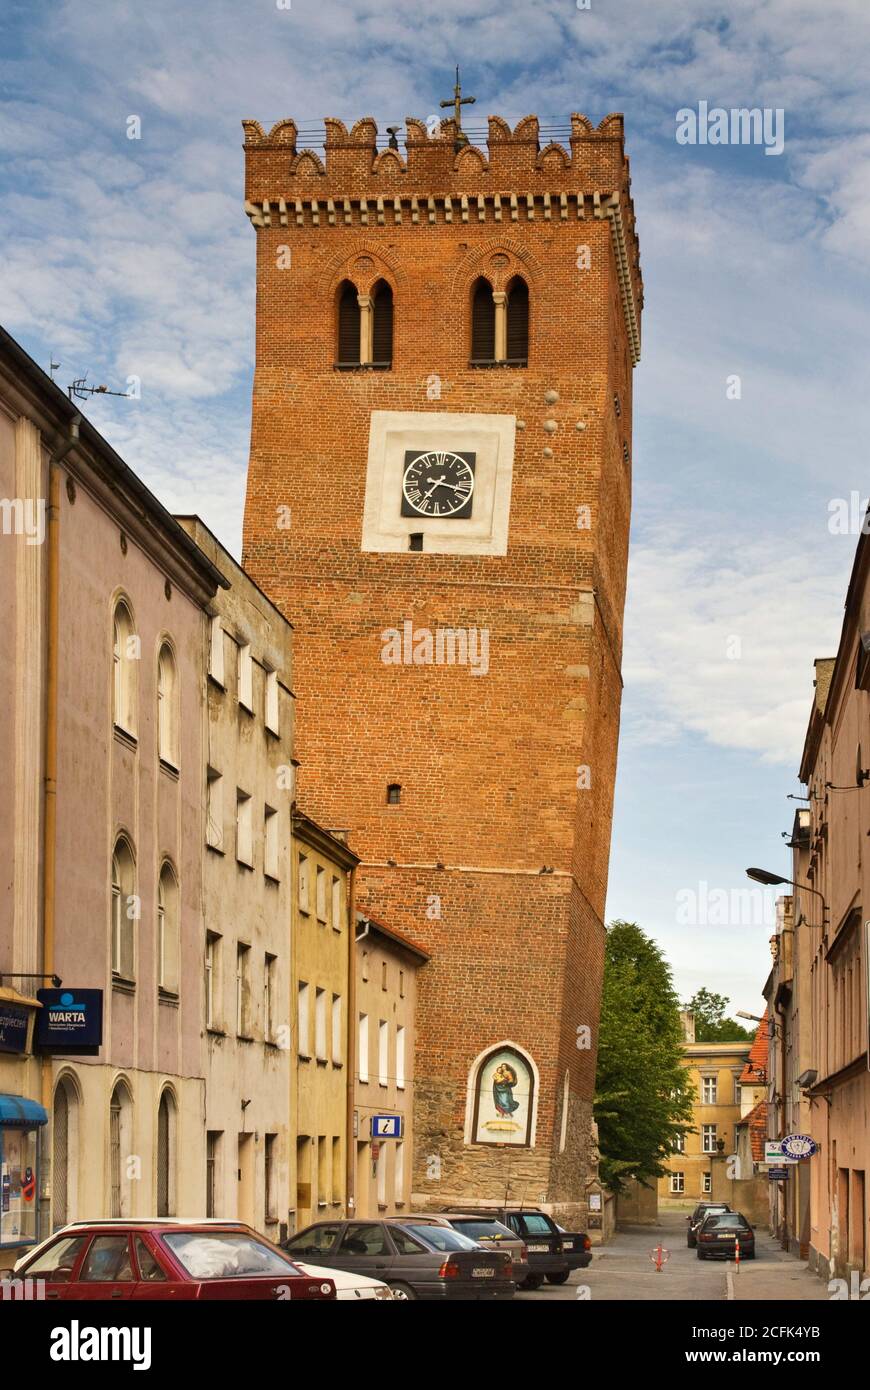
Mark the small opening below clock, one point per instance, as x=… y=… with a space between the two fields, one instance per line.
x=415 y=540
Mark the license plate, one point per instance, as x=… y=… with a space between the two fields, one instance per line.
x=539 y=1249
x=481 y=1273
x=731 y=1238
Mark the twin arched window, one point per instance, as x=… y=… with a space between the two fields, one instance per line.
x=365 y=326
x=168 y=937
x=500 y=324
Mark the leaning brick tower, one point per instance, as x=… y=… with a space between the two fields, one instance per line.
x=438 y=498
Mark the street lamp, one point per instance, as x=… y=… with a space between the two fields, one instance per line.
x=771 y=880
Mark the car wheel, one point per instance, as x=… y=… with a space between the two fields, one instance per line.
x=561 y=1278
x=701 y=1255
x=403 y=1293
x=532 y=1281
x=750 y=1255
x=690 y=1243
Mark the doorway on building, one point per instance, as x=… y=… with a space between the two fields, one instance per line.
x=858 y=1219
x=304 y=1214
x=245 y=1198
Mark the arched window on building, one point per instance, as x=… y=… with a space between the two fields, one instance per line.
x=482 y=324
x=120 y=1148
x=348 y=326
x=125 y=665
x=382 y=325
x=517 y=352
x=167 y=706
x=125 y=909
x=166 y=1143
x=168 y=937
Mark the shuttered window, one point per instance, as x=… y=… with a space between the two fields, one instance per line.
x=482 y=323
x=382 y=325
x=518 y=323
x=348 y=325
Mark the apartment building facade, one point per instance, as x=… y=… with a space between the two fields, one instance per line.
x=247 y=780
x=386 y=965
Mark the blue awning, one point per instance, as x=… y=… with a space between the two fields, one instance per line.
x=18 y=1110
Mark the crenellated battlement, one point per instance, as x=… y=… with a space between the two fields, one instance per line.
x=345 y=160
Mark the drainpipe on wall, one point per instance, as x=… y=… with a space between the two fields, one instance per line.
x=49 y=822
x=350 y=1142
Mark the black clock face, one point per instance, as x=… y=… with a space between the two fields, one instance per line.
x=438 y=484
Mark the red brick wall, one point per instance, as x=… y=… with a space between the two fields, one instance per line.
x=488 y=764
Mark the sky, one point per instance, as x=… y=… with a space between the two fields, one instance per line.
x=133 y=258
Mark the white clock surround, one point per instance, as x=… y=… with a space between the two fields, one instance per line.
x=491 y=438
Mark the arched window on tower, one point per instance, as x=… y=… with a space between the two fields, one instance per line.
x=482 y=324
x=348 y=326
x=518 y=323
x=382 y=325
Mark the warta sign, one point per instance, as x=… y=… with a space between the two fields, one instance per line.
x=70 y=1021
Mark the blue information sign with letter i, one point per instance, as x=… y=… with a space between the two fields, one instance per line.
x=386 y=1126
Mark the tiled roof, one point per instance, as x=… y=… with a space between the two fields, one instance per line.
x=756 y=1062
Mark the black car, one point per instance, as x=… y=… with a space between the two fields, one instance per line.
x=722 y=1232
x=417 y=1261
x=701 y=1210
x=553 y=1254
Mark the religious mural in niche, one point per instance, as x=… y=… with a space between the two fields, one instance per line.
x=503 y=1097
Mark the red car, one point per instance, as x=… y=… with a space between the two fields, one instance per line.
x=166 y=1259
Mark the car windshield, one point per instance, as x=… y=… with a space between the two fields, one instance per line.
x=228 y=1255
x=726 y=1221
x=703 y=1212
x=538 y=1224
x=439 y=1237
x=484 y=1230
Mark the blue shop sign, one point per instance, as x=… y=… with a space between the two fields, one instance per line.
x=70 y=1021
x=14 y=1022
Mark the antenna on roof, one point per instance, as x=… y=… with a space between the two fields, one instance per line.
x=80 y=389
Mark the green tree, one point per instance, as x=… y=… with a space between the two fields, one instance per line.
x=711 y=1025
x=643 y=1096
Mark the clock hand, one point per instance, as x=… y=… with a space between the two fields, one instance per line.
x=436 y=483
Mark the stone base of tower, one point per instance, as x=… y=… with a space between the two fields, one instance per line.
x=489 y=1175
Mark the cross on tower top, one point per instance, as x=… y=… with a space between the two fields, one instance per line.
x=457 y=103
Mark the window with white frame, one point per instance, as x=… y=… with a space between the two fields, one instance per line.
x=400 y=1058
x=125 y=656
x=304 y=884
x=303 y=1022
x=320 y=1025
x=216 y=651
x=125 y=909
x=336 y=903
x=270 y=843
x=363 y=1047
x=168 y=935
x=246 y=677
x=337 y=1051
x=383 y=1052
x=244 y=829
x=214 y=815
x=212 y=979
x=708 y=1139
x=709 y=1090
x=271 y=711
x=167 y=706
x=680 y=1143
x=320 y=894
x=678 y=1182
x=707 y=1181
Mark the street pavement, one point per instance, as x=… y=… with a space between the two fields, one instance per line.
x=624 y=1271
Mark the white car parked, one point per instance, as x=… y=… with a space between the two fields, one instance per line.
x=348 y=1287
